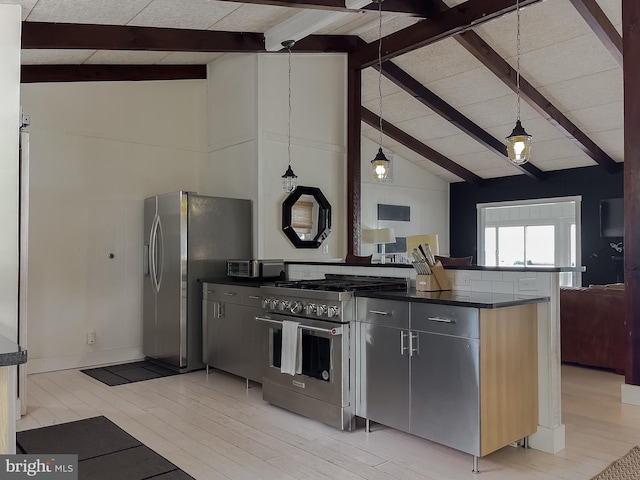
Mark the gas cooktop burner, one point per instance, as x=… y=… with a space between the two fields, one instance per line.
x=346 y=283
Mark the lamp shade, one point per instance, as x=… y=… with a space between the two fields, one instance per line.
x=379 y=236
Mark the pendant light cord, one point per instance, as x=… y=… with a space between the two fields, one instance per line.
x=518 y=58
x=289 y=125
x=380 y=65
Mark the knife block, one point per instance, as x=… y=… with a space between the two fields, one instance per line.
x=435 y=282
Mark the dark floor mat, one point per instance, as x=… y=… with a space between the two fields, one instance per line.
x=105 y=451
x=128 y=372
x=87 y=438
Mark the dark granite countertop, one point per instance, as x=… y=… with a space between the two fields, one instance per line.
x=11 y=353
x=245 y=282
x=456 y=297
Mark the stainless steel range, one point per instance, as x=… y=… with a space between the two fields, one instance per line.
x=324 y=310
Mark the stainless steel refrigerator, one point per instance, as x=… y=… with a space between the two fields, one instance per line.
x=187 y=238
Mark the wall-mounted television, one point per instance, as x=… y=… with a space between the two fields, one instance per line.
x=612 y=217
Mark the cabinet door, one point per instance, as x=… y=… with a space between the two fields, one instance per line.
x=256 y=336
x=445 y=390
x=386 y=375
x=210 y=333
x=231 y=357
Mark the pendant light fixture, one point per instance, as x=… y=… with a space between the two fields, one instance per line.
x=519 y=142
x=381 y=163
x=289 y=179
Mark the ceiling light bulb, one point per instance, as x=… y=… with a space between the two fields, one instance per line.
x=519 y=145
x=380 y=166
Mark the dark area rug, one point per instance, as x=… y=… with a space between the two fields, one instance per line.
x=105 y=451
x=128 y=373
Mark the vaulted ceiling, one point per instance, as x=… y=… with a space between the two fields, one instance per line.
x=448 y=80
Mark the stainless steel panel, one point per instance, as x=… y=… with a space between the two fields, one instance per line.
x=255 y=343
x=445 y=391
x=445 y=319
x=385 y=375
x=210 y=326
x=149 y=294
x=334 y=415
x=231 y=345
x=390 y=313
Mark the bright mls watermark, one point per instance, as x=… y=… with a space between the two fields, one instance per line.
x=50 y=467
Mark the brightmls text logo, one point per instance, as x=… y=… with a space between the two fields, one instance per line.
x=50 y=467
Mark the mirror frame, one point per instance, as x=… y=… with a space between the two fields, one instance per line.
x=324 y=217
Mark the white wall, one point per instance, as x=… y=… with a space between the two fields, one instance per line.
x=248 y=119
x=426 y=195
x=97 y=150
x=9 y=128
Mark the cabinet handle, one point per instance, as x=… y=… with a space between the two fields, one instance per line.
x=210 y=291
x=378 y=312
x=254 y=297
x=441 y=320
x=411 y=349
x=402 y=347
x=229 y=294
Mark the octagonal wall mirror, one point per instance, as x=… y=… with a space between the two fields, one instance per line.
x=306 y=217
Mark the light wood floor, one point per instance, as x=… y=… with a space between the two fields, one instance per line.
x=212 y=427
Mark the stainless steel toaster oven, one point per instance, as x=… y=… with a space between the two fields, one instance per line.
x=256 y=268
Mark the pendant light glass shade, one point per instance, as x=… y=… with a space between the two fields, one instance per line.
x=519 y=145
x=289 y=180
x=380 y=166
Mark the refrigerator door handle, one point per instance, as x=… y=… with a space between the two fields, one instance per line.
x=159 y=260
x=153 y=254
x=145 y=260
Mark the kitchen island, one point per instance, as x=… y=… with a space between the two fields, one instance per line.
x=457 y=368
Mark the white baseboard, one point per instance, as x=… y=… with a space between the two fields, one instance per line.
x=630 y=394
x=549 y=440
x=83 y=360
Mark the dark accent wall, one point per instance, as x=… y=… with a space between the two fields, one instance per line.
x=592 y=183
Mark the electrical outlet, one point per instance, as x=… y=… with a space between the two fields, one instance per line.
x=462 y=279
x=91 y=337
x=527 y=283
x=325 y=248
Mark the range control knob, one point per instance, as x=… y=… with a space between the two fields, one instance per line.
x=265 y=302
x=283 y=305
x=333 y=311
x=310 y=308
x=296 y=307
x=273 y=303
x=322 y=310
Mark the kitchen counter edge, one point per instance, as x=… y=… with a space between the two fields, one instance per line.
x=243 y=282
x=460 y=298
x=11 y=353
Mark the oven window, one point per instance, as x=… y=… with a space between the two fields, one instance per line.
x=316 y=355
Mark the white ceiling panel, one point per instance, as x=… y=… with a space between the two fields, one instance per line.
x=498 y=172
x=374 y=136
x=469 y=87
x=124 y=57
x=574 y=58
x=428 y=127
x=611 y=141
x=398 y=107
x=613 y=10
x=188 y=58
x=435 y=62
x=254 y=18
x=26 y=5
x=588 y=91
x=454 y=145
x=600 y=118
x=542 y=24
x=54 y=57
x=565 y=163
x=497 y=111
x=350 y=23
x=369 y=85
x=482 y=160
x=111 y=12
x=555 y=149
x=388 y=27
x=194 y=14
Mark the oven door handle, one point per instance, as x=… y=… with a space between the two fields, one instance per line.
x=330 y=331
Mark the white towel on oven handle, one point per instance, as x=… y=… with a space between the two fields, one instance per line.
x=291 y=352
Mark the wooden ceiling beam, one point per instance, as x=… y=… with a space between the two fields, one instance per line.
x=102 y=73
x=446 y=111
x=441 y=25
x=601 y=26
x=501 y=68
x=420 y=148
